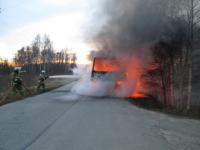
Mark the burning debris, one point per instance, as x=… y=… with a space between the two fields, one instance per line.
x=136 y=33
x=122 y=49
x=113 y=77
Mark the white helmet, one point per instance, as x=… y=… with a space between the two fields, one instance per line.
x=17 y=68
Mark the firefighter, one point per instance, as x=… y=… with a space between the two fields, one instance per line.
x=17 y=82
x=41 y=80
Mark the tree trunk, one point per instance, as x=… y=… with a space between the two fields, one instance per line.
x=189 y=84
x=164 y=90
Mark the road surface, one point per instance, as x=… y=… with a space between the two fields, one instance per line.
x=61 y=120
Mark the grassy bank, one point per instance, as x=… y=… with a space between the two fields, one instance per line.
x=152 y=105
x=31 y=85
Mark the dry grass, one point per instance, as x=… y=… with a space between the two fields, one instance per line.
x=31 y=84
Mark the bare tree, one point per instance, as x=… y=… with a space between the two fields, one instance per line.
x=174 y=51
x=36 y=47
x=41 y=55
x=47 y=53
x=191 y=13
x=73 y=60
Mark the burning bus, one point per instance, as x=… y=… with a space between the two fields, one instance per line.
x=122 y=73
x=106 y=69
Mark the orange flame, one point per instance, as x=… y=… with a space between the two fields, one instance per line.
x=131 y=69
x=105 y=65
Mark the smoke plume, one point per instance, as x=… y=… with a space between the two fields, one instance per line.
x=126 y=30
x=130 y=25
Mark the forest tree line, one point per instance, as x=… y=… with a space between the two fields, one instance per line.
x=5 y=66
x=178 y=54
x=40 y=55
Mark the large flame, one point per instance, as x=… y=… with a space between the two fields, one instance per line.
x=106 y=65
x=131 y=70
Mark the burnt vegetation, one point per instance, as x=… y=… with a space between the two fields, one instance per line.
x=169 y=32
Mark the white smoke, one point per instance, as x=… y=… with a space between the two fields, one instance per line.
x=80 y=69
x=89 y=87
x=102 y=87
x=125 y=89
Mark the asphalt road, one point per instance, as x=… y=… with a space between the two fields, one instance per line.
x=61 y=120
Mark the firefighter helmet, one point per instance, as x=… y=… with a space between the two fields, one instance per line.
x=43 y=72
x=17 y=69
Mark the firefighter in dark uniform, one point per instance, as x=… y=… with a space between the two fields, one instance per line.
x=17 y=84
x=41 y=80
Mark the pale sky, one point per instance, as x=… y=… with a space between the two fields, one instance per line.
x=65 y=21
